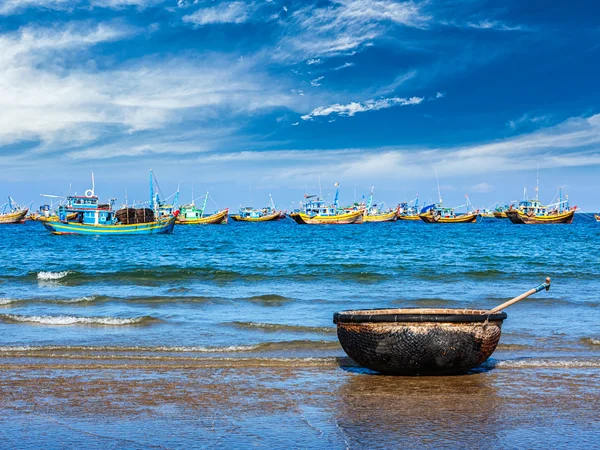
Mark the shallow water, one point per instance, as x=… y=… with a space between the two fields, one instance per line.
x=256 y=301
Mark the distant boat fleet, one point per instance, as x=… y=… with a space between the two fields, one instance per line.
x=86 y=215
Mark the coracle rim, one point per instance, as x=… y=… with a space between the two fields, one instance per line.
x=417 y=315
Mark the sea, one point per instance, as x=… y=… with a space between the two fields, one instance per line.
x=222 y=335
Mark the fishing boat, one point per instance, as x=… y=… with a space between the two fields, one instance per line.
x=409 y=210
x=437 y=213
x=533 y=212
x=597 y=217
x=315 y=211
x=379 y=213
x=190 y=214
x=266 y=214
x=12 y=213
x=93 y=217
x=500 y=211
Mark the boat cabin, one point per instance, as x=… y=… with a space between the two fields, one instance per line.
x=533 y=207
x=88 y=211
x=318 y=207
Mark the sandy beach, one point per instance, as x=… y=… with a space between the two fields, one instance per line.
x=295 y=403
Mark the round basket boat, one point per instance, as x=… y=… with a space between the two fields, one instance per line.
x=417 y=341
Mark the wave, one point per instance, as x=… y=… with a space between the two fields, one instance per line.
x=171 y=274
x=548 y=363
x=590 y=341
x=261 y=347
x=76 y=320
x=16 y=301
x=282 y=327
x=52 y=276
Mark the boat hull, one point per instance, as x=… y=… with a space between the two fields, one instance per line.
x=466 y=218
x=519 y=217
x=16 y=217
x=340 y=219
x=214 y=219
x=164 y=226
x=401 y=217
x=597 y=217
x=500 y=215
x=268 y=218
x=387 y=217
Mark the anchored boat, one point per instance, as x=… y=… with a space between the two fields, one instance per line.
x=409 y=210
x=266 y=214
x=379 y=212
x=91 y=217
x=533 y=212
x=315 y=211
x=191 y=215
x=437 y=213
x=12 y=213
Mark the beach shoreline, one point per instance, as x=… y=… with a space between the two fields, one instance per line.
x=302 y=403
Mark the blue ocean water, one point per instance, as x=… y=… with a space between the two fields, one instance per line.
x=271 y=288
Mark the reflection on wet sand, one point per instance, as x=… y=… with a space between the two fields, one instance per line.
x=307 y=403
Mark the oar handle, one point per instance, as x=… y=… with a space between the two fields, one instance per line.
x=541 y=287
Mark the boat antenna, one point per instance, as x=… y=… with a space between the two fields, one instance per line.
x=93 y=184
x=193 y=194
x=438 y=185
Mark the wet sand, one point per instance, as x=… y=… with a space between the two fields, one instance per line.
x=297 y=403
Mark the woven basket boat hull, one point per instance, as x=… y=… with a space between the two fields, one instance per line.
x=419 y=341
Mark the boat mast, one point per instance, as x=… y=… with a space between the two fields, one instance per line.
x=193 y=199
x=537 y=185
x=438 y=186
x=204 y=205
x=176 y=199
x=152 y=192
x=272 y=202
x=336 y=202
x=370 y=198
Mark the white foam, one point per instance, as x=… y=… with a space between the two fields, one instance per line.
x=46 y=276
x=550 y=363
x=73 y=320
x=7 y=301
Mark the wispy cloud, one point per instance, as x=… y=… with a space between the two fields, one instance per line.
x=353 y=108
x=8 y=7
x=344 y=26
x=346 y=65
x=234 y=12
x=42 y=102
x=527 y=119
x=494 y=25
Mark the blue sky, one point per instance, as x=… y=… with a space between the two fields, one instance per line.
x=247 y=98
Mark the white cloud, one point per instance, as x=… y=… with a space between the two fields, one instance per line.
x=344 y=66
x=351 y=109
x=317 y=81
x=481 y=188
x=8 y=7
x=314 y=61
x=62 y=108
x=525 y=119
x=344 y=26
x=494 y=25
x=235 y=12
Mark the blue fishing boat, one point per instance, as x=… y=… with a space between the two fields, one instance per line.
x=85 y=215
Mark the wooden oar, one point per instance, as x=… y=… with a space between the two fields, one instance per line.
x=541 y=287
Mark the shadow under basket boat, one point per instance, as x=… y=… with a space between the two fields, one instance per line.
x=417 y=341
